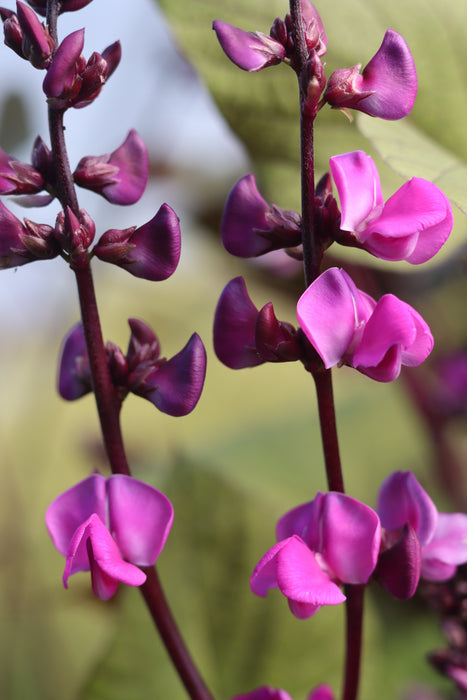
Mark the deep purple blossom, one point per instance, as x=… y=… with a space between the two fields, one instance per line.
x=334 y=539
x=174 y=386
x=251 y=227
x=23 y=243
x=347 y=326
x=151 y=251
x=121 y=176
x=40 y=6
x=442 y=537
x=412 y=225
x=37 y=44
x=387 y=86
x=246 y=337
x=17 y=177
x=109 y=527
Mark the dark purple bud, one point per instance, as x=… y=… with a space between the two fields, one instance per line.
x=12 y=31
x=387 y=87
x=151 y=251
x=74 y=375
x=121 y=176
x=315 y=84
x=399 y=566
x=315 y=35
x=276 y=341
x=42 y=160
x=75 y=233
x=17 y=177
x=112 y=55
x=37 y=44
x=327 y=214
x=175 y=386
x=63 y=82
x=40 y=6
x=251 y=227
x=143 y=348
x=251 y=51
x=20 y=244
x=234 y=327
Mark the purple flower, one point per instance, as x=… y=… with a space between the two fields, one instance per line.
x=347 y=326
x=251 y=227
x=151 y=251
x=40 y=6
x=17 y=177
x=334 y=539
x=121 y=176
x=174 y=386
x=23 y=243
x=246 y=337
x=442 y=537
x=251 y=51
x=109 y=527
x=412 y=225
x=37 y=45
x=387 y=87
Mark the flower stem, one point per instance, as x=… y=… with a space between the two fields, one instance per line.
x=327 y=421
x=354 y=629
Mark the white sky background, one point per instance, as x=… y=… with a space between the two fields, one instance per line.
x=152 y=91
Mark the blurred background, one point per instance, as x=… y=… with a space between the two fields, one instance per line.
x=251 y=449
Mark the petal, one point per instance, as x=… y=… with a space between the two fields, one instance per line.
x=62 y=69
x=359 y=187
x=328 y=297
x=321 y=692
x=402 y=500
x=391 y=74
x=303 y=521
x=398 y=569
x=415 y=223
x=300 y=577
x=140 y=518
x=12 y=251
x=175 y=387
x=447 y=548
x=74 y=376
x=234 y=327
x=132 y=161
x=351 y=535
x=73 y=507
x=264 y=575
x=250 y=51
x=244 y=216
x=264 y=693
x=104 y=560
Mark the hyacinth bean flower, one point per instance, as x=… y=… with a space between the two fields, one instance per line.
x=17 y=177
x=251 y=227
x=109 y=527
x=27 y=36
x=246 y=337
x=417 y=540
x=253 y=51
x=174 y=386
x=121 y=176
x=347 y=326
x=151 y=251
x=24 y=243
x=387 y=86
x=332 y=540
x=322 y=692
x=412 y=225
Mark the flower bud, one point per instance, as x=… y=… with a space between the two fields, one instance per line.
x=40 y=6
x=37 y=44
x=74 y=376
x=275 y=340
x=75 y=233
x=17 y=177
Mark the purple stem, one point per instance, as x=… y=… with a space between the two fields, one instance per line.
x=107 y=400
x=312 y=255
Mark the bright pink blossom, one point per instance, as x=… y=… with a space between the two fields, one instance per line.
x=109 y=527
x=402 y=502
x=387 y=87
x=347 y=326
x=412 y=225
x=334 y=539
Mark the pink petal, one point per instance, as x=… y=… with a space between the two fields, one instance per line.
x=321 y=692
x=402 y=500
x=358 y=184
x=304 y=521
x=62 y=68
x=328 y=297
x=73 y=507
x=132 y=161
x=447 y=548
x=391 y=74
x=244 y=215
x=264 y=575
x=140 y=518
x=300 y=577
x=250 y=51
x=351 y=535
x=264 y=693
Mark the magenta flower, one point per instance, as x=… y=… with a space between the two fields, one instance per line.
x=151 y=252
x=347 y=326
x=121 y=176
x=251 y=227
x=334 y=539
x=387 y=87
x=109 y=527
x=174 y=386
x=266 y=692
x=442 y=537
x=251 y=51
x=412 y=225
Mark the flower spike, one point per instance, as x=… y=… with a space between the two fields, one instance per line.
x=387 y=86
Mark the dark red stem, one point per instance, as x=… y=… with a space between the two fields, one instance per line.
x=354 y=630
x=327 y=421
